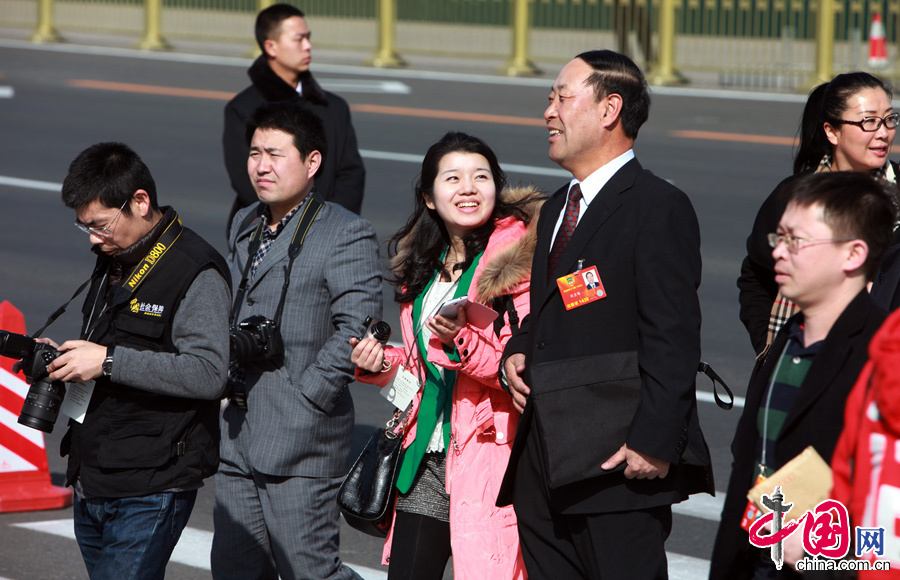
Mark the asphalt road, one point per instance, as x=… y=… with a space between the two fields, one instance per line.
x=54 y=104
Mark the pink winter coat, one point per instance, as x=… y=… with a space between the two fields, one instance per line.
x=484 y=538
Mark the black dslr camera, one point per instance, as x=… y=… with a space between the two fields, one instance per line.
x=256 y=339
x=44 y=397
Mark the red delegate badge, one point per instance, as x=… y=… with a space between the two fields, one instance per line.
x=581 y=287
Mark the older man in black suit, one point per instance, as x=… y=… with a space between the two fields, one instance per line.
x=609 y=437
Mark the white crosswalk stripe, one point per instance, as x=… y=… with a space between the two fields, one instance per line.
x=194 y=546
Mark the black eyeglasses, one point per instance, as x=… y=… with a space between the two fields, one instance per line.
x=872 y=124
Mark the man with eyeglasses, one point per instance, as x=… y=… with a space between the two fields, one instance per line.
x=152 y=355
x=834 y=231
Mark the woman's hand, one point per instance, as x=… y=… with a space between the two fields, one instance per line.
x=446 y=329
x=368 y=354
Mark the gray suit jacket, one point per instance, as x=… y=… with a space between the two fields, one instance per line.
x=299 y=420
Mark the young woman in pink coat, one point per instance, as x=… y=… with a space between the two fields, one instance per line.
x=466 y=237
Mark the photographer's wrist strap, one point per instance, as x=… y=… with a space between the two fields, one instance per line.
x=309 y=213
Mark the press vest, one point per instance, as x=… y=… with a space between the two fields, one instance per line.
x=134 y=442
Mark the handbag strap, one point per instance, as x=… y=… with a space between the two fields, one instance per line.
x=396 y=420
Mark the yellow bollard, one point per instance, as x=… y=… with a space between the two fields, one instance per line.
x=45 y=32
x=518 y=63
x=824 y=44
x=153 y=39
x=385 y=56
x=254 y=51
x=663 y=72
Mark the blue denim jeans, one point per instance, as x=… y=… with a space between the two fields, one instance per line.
x=130 y=538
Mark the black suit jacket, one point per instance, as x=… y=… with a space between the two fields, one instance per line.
x=623 y=368
x=816 y=418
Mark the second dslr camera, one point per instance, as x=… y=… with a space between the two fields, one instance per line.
x=256 y=339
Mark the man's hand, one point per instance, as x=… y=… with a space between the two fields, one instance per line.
x=640 y=466
x=368 y=354
x=81 y=361
x=515 y=367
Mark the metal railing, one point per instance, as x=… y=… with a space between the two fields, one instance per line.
x=783 y=44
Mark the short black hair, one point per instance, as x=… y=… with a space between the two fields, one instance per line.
x=300 y=123
x=110 y=172
x=855 y=206
x=268 y=22
x=615 y=73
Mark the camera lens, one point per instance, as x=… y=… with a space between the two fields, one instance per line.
x=381 y=331
x=42 y=405
x=244 y=345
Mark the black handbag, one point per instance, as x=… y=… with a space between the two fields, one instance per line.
x=366 y=497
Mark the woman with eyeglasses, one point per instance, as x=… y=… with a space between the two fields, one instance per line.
x=467 y=237
x=848 y=124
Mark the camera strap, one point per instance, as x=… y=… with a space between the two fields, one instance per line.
x=138 y=275
x=309 y=213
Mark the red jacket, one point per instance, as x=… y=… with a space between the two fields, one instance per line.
x=866 y=461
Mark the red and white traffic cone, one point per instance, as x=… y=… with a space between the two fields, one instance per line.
x=24 y=472
x=877 y=43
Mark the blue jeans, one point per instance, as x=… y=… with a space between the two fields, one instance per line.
x=130 y=538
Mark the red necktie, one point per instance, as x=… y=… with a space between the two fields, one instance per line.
x=566 y=228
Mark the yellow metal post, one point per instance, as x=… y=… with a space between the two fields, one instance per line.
x=824 y=44
x=385 y=56
x=153 y=39
x=261 y=5
x=663 y=72
x=45 y=32
x=518 y=63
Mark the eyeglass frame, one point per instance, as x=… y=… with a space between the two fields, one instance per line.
x=881 y=121
x=102 y=231
x=794 y=246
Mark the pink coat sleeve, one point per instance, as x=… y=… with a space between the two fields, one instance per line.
x=479 y=349
x=395 y=356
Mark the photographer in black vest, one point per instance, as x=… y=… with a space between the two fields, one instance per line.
x=152 y=356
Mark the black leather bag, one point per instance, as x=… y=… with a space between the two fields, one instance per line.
x=366 y=497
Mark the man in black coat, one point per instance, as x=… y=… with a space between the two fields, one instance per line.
x=830 y=241
x=281 y=73
x=609 y=437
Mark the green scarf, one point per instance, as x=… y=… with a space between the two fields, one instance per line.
x=436 y=393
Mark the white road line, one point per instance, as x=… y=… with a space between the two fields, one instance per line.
x=389 y=73
x=367 y=153
x=701 y=505
x=30 y=184
x=7 y=92
x=365 y=86
x=194 y=545
x=192 y=549
x=708 y=397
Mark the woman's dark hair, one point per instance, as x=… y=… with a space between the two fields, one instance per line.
x=418 y=245
x=827 y=104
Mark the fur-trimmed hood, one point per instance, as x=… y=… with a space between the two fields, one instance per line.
x=511 y=264
x=508 y=255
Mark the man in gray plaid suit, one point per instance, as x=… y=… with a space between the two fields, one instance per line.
x=287 y=425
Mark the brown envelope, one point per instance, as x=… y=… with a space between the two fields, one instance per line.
x=805 y=482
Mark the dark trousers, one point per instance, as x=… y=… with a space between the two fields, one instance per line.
x=420 y=548
x=605 y=546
